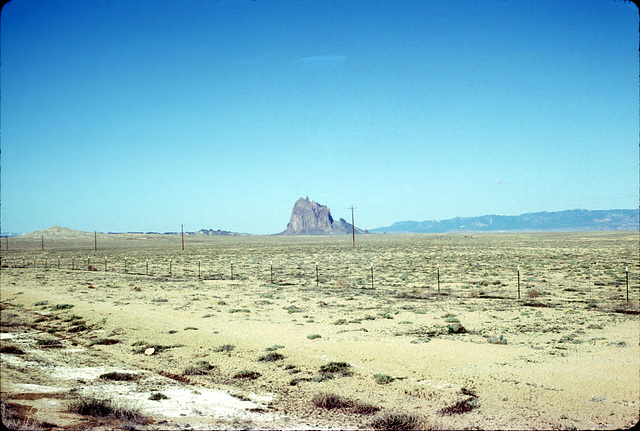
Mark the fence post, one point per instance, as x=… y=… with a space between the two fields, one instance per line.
x=170 y=268
x=317 y=277
x=125 y=265
x=58 y=262
x=372 y=275
x=626 y=271
x=438 y=277
x=271 y=272
x=518 y=281
x=105 y=264
x=73 y=263
x=199 y=277
x=88 y=263
x=231 y=270
x=146 y=268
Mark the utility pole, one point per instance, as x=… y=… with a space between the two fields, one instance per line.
x=182 y=230
x=353 y=226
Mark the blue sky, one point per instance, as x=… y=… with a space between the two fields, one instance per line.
x=141 y=115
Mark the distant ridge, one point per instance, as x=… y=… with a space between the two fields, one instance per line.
x=559 y=221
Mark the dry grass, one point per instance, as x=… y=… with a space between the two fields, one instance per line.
x=13 y=419
x=105 y=409
x=9 y=319
x=532 y=293
x=327 y=400
x=394 y=421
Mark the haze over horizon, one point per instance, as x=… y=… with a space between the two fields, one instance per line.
x=142 y=116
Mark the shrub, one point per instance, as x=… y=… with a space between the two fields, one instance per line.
x=61 y=307
x=11 y=349
x=327 y=400
x=271 y=357
x=224 y=348
x=342 y=283
x=532 y=293
x=397 y=421
x=193 y=371
x=247 y=374
x=274 y=347
x=314 y=336
x=10 y=319
x=104 y=409
x=104 y=341
x=364 y=408
x=157 y=396
x=460 y=407
x=340 y=322
x=78 y=328
x=118 y=376
x=204 y=365
x=383 y=379
x=341 y=368
x=49 y=343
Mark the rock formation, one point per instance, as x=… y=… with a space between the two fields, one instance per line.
x=311 y=218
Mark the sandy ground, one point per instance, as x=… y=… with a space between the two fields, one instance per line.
x=570 y=359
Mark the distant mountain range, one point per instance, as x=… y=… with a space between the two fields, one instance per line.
x=560 y=221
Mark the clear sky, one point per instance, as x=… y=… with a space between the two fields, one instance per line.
x=141 y=115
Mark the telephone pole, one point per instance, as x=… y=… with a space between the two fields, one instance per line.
x=353 y=226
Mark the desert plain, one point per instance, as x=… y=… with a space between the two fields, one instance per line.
x=432 y=331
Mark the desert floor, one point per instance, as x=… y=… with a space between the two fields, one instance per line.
x=194 y=341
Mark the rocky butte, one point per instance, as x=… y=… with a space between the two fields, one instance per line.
x=311 y=218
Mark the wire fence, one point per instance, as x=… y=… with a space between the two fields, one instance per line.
x=411 y=279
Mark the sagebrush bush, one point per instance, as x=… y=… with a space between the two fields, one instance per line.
x=383 y=379
x=118 y=376
x=247 y=374
x=271 y=357
x=397 y=422
x=328 y=400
